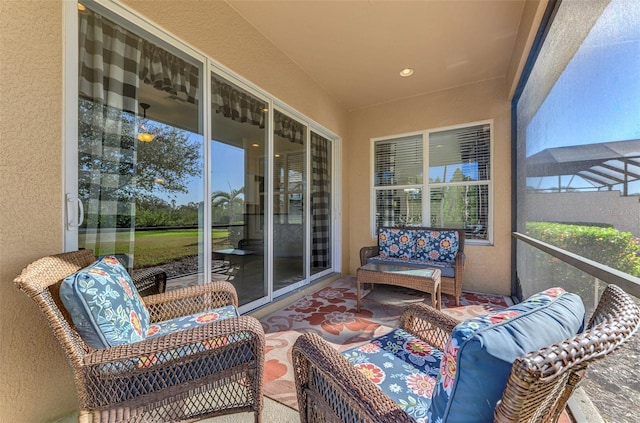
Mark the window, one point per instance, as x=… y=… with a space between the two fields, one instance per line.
x=458 y=164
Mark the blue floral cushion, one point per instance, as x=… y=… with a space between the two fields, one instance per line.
x=479 y=354
x=191 y=321
x=187 y=322
x=396 y=242
x=447 y=270
x=166 y=327
x=104 y=304
x=403 y=367
x=437 y=246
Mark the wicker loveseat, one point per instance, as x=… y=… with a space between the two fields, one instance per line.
x=422 y=247
x=196 y=359
x=533 y=386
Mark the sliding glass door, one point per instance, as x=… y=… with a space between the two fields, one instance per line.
x=289 y=202
x=140 y=150
x=239 y=141
x=252 y=205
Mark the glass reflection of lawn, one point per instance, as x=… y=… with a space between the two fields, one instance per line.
x=156 y=247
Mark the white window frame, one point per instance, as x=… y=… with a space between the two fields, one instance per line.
x=426 y=186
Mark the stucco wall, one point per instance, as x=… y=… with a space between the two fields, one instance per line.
x=36 y=380
x=37 y=384
x=487 y=267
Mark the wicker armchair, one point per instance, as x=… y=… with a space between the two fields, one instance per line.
x=178 y=380
x=539 y=385
x=150 y=281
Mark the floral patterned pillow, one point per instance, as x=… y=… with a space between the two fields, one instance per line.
x=396 y=242
x=437 y=246
x=479 y=354
x=105 y=305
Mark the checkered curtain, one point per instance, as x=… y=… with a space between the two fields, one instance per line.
x=235 y=104
x=112 y=63
x=320 y=202
x=167 y=72
x=288 y=128
x=108 y=86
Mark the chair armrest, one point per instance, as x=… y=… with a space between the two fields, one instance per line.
x=329 y=388
x=191 y=300
x=150 y=281
x=134 y=371
x=368 y=252
x=432 y=326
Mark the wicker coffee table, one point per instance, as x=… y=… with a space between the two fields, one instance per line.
x=420 y=279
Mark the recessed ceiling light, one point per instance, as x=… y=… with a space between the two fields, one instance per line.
x=81 y=7
x=406 y=72
x=255 y=145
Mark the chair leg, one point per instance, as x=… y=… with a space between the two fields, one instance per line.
x=257 y=418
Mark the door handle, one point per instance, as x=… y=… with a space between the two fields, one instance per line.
x=75 y=212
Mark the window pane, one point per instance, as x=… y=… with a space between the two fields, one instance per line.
x=289 y=177
x=140 y=149
x=399 y=207
x=238 y=146
x=398 y=161
x=461 y=207
x=461 y=154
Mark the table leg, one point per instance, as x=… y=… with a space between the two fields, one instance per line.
x=437 y=294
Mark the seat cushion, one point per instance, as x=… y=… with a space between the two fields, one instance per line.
x=437 y=245
x=396 y=242
x=104 y=304
x=187 y=322
x=479 y=354
x=158 y=329
x=402 y=366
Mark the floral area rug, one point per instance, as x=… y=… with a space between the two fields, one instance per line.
x=331 y=313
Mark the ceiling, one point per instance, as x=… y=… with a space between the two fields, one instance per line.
x=355 y=49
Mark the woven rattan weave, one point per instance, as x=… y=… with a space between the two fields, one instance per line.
x=449 y=285
x=182 y=381
x=424 y=280
x=330 y=389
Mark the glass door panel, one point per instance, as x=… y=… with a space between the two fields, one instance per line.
x=238 y=150
x=289 y=183
x=140 y=150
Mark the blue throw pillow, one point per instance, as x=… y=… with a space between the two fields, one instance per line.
x=396 y=243
x=479 y=354
x=104 y=304
x=437 y=245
